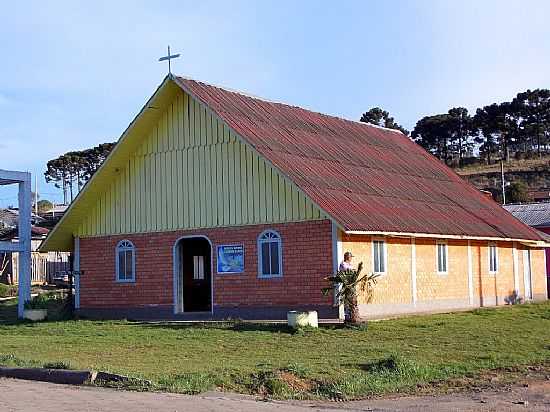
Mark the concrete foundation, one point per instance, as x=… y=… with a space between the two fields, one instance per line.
x=220 y=313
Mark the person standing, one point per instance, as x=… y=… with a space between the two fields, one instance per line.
x=346 y=263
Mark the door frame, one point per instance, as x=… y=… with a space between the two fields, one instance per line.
x=176 y=273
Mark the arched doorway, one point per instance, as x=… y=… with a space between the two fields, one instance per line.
x=193 y=274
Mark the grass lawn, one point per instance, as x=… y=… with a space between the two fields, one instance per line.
x=388 y=356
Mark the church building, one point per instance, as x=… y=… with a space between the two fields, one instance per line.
x=217 y=204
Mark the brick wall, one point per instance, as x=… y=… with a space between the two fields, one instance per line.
x=491 y=288
x=307 y=259
x=395 y=286
x=435 y=291
x=432 y=285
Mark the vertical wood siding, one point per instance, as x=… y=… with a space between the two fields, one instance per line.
x=191 y=171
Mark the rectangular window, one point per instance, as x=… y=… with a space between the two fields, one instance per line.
x=442 y=257
x=379 y=256
x=198 y=267
x=125 y=265
x=493 y=258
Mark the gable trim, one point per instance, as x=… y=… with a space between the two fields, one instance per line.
x=66 y=227
x=45 y=246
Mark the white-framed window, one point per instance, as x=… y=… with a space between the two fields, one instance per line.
x=379 y=256
x=442 y=257
x=125 y=261
x=493 y=258
x=270 y=255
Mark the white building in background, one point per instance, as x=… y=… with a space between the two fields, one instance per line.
x=45 y=267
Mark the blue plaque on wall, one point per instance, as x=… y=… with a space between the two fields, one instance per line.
x=230 y=258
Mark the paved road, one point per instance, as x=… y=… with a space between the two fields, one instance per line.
x=17 y=395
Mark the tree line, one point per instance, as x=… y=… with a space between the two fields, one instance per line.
x=519 y=128
x=72 y=170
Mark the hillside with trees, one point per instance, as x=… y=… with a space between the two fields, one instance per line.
x=517 y=129
x=516 y=132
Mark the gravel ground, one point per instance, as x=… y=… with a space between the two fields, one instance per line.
x=18 y=395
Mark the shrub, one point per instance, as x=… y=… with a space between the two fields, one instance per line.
x=12 y=360
x=57 y=365
x=190 y=383
x=38 y=302
x=347 y=282
x=7 y=290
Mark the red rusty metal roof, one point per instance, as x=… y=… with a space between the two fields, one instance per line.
x=366 y=177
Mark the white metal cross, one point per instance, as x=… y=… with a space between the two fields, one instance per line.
x=169 y=57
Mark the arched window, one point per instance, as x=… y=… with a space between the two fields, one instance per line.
x=270 y=256
x=125 y=261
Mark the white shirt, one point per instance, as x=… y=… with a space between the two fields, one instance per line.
x=345 y=266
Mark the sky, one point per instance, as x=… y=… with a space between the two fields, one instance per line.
x=73 y=74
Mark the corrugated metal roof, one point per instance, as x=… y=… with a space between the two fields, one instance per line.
x=367 y=178
x=11 y=232
x=8 y=217
x=532 y=214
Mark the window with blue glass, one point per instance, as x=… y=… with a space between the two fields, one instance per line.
x=270 y=260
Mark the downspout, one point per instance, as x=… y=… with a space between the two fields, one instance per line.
x=76 y=269
x=336 y=253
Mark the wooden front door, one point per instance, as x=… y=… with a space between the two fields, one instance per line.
x=196 y=274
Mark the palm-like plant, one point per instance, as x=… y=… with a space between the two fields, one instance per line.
x=346 y=283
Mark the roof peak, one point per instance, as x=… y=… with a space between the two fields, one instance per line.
x=263 y=99
x=231 y=90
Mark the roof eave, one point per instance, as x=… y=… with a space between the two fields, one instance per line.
x=529 y=242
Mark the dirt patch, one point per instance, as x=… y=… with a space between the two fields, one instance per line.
x=495 y=380
x=295 y=383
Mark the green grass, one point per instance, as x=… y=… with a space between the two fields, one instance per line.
x=388 y=356
x=8 y=311
x=55 y=302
